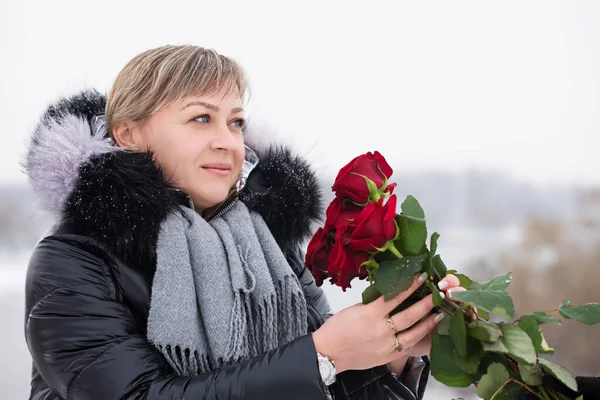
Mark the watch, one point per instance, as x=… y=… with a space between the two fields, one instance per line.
x=327 y=369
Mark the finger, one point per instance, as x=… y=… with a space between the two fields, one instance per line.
x=407 y=318
x=411 y=337
x=387 y=306
x=449 y=281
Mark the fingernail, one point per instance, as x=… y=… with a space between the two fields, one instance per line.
x=442 y=285
x=442 y=295
x=439 y=317
x=422 y=277
x=449 y=293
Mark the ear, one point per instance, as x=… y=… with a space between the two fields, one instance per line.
x=127 y=135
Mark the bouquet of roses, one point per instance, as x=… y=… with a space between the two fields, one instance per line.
x=363 y=236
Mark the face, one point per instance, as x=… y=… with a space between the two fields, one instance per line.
x=199 y=145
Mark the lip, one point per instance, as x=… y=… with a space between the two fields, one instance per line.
x=217 y=166
x=220 y=169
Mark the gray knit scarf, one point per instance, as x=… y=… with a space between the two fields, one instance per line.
x=223 y=291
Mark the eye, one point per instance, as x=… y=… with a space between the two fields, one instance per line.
x=239 y=123
x=202 y=118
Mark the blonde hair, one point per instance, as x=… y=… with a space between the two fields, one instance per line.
x=160 y=76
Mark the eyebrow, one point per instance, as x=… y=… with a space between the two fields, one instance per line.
x=210 y=106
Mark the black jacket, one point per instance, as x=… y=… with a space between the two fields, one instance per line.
x=89 y=280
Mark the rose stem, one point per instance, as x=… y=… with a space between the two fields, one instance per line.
x=446 y=300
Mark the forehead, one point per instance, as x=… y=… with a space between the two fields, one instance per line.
x=221 y=100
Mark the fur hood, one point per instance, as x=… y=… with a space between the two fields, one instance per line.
x=120 y=198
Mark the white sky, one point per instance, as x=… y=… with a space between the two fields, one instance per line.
x=512 y=86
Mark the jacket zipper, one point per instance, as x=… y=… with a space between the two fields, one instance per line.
x=226 y=206
x=224 y=210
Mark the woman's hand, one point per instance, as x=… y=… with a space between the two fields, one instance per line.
x=359 y=337
x=423 y=347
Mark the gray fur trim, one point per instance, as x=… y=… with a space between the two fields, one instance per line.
x=58 y=150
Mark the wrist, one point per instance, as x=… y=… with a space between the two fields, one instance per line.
x=397 y=366
x=323 y=348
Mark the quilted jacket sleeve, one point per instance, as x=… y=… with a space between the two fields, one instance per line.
x=86 y=344
x=375 y=383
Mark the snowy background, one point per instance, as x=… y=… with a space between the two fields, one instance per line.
x=488 y=112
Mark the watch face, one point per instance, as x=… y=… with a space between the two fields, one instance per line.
x=326 y=369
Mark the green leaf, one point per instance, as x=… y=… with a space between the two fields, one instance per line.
x=484 y=331
x=371 y=266
x=470 y=363
x=531 y=374
x=370 y=294
x=443 y=327
x=458 y=333
x=405 y=305
x=588 y=314
x=495 y=347
x=500 y=282
x=530 y=326
x=495 y=301
x=488 y=359
x=413 y=233
x=518 y=343
x=464 y=280
x=433 y=243
x=439 y=266
x=493 y=380
x=564 y=303
x=543 y=318
x=482 y=313
x=437 y=297
x=395 y=276
x=412 y=208
x=511 y=391
x=443 y=366
x=559 y=373
x=428 y=267
x=515 y=343
x=467 y=365
x=386 y=255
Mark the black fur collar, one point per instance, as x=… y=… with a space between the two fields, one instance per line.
x=120 y=198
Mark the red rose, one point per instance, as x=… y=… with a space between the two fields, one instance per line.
x=390 y=188
x=340 y=212
x=375 y=226
x=317 y=254
x=349 y=183
x=344 y=262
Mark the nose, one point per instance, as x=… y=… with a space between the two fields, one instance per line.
x=223 y=138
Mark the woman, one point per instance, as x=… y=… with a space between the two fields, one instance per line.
x=175 y=267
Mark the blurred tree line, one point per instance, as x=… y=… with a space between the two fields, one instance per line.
x=558 y=259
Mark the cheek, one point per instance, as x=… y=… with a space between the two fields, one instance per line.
x=173 y=160
x=239 y=158
x=174 y=148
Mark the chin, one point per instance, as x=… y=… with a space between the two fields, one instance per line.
x=208 y=200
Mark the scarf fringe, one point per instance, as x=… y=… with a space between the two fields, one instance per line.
x=287 y=303
x=184 y=361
